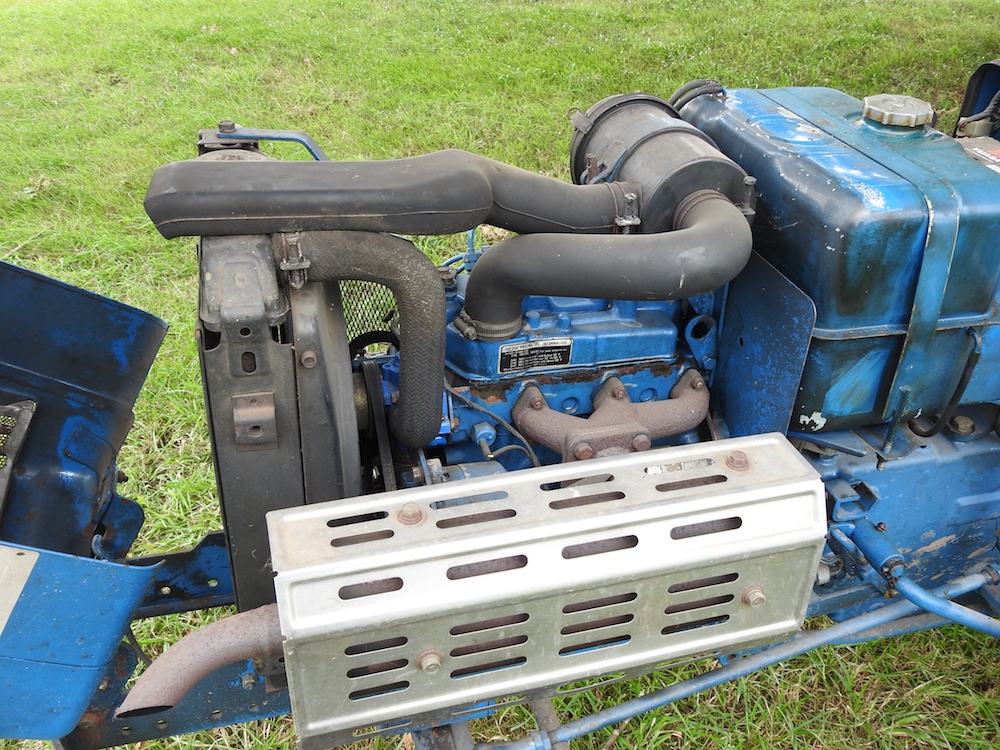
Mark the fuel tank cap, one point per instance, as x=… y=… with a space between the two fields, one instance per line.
x=898 y=109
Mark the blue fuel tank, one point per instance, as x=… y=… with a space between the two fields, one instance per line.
x=892 y=231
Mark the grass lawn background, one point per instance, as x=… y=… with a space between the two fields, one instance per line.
x=95 y=94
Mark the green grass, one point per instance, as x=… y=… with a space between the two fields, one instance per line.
x=95 y=94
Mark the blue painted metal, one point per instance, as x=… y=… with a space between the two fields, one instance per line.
x=949 y=610
x=292 y=136
x=891 y=564
x=844 y=211
x=197 y=578
x=762 y=350
x=796 y=646
x=56 y=646
x=938 y=508
x=82 y=358
x=230 y=695
x=568 y=332
x=568 y=347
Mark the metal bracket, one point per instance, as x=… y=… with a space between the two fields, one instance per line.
x=254 y=421
x=230 y=131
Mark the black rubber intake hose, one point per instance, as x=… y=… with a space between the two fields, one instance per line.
x=440 y=193
x=416 y=283
x=709 y=247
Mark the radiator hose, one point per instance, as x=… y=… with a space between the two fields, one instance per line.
x=416 y=284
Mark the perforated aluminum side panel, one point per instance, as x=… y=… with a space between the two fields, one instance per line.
x=521 y=585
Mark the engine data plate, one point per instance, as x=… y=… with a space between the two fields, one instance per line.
x=535 y=355
x=423 y=605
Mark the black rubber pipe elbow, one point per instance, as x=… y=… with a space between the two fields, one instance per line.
x=416 y=283
x=709 y=247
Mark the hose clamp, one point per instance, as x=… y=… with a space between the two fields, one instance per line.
x=292 y=261
x=476 y=329
x=628 y=217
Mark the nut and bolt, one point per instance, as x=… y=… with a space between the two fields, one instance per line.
x=227 y=126
x=249 y=681
x=641 y=443
x=308 y=358
x=962 y=425
x=753 y=596
x=89 y=721
x=738 y=461
x=583 y=451
x=410 y=514
x=618 y=393
x=992 y=573
x=537 y=403
x=430 y=661
x=698 y=384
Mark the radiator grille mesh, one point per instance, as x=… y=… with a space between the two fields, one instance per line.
x=368 y=307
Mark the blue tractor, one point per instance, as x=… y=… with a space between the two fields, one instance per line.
x=742 y=372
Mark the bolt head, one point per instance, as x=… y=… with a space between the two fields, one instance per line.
x=537 y=403
x=583 y=452
x=641 y=443
x=753 y=596
x=410 y=514
x=308 y=358
x=962 y=425
x=430 y=661
x=738 y=461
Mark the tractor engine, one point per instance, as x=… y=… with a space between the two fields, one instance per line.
x=742 y=371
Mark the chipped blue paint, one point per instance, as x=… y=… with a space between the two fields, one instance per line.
x=60 y=638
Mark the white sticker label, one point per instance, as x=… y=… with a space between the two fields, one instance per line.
x=15 y=569
x=535 y=355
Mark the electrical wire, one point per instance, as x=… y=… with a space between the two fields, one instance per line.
x=689 y=86
x=692 y=90
x=508 y=448
x=963 y=381
x=500 y=420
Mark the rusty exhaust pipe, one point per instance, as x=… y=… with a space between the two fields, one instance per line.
x=247 y=635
